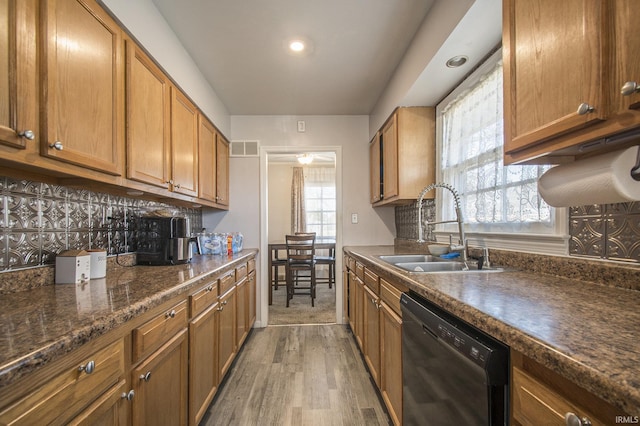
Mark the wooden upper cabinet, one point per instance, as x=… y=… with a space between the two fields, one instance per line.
x=148 y=130
x=222 y=171
x=374 y=168
x=82 y=94
x=18 y=86
x=184 y=144
x=407 y=141
x=565 y=64
x=206 y=159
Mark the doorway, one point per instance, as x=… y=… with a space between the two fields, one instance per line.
x=322 y=191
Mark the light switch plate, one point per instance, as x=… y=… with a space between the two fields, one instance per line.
x=354 y=217
x=301 y=126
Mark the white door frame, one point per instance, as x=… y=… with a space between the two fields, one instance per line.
x=263 y=312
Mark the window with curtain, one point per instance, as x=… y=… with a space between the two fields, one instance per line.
x=320 y=201
x=494 y=198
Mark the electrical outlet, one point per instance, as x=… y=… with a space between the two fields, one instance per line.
x=354 y=217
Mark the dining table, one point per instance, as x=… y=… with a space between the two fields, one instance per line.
x=274 y=258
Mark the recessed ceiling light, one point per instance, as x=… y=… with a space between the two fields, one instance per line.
x=297 y=45
x=457 y=61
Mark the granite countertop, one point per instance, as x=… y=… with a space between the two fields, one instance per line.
x=585 y=331
x=42 y=324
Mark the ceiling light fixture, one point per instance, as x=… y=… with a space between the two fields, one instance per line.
x=305 y=158
x=297 y=46
x=457 y=61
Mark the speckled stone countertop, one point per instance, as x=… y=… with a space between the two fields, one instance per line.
x=41 y=324
x=584 y=331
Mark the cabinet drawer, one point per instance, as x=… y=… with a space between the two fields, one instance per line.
x=390 y=294
x=536 y=404
x=371 y=281
x=241 y=272
x=65 y=395
x=203 y=298
x=155 y=332
x=251 y=265
x=226 y=282
x=360 y=270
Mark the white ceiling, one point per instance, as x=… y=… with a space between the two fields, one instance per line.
x=356 y=46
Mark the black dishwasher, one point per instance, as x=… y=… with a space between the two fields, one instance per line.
x=453 y=374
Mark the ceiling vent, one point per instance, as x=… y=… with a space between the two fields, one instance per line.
x=245 y=149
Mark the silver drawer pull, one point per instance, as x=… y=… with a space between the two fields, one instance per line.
x=571 y=419
x=171 y=314
x=57 y=145
x=27 y=134
x=146 y=377
x=88 y=367
x=629 y=88
x=128 y=395
x=584 y=108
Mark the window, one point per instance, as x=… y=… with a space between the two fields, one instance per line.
x=320 y=201
x=494 y=198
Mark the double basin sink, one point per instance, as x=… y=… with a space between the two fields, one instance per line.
x=425 y=263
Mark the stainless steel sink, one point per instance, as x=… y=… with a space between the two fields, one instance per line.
x=409 y=258
x=424 y=263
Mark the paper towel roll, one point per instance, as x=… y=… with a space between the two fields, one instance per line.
x=602 y=179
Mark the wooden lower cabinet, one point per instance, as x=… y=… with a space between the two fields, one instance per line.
x=203 y=363
x=242 y=311
x=227 y=331
x=111 y=409
x=160 y=385
x=371 y=326
x=391 y=361
x=69 y=393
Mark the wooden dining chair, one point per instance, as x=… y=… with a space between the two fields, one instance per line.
x=301 y=258
x=329 y=260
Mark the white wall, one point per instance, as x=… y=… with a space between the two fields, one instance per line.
x=279 y=201
x=375 y=226
x=145 y=23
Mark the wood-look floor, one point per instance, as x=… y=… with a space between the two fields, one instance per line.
x=298 y=375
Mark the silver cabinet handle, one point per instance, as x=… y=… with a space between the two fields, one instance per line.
x=629 y=88
x=177 y=185
x=27 y=134
x=210 y=288
x=88 y=367
x=57 y=145
x=171 y=314
x=146 y=377
x=571 y=419
x=585 y=108
x=128 y=395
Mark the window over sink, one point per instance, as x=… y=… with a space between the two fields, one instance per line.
x=496 y=199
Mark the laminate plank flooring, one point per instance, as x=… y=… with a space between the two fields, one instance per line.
x=298 y=375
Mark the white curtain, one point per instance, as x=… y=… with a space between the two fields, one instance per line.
x=298 y=214
x=472 y=128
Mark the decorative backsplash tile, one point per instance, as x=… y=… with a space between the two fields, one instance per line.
x=38 y=220
x=603 y=231
x=607 y=231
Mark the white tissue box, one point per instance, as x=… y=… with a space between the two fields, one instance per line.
x=73 y=267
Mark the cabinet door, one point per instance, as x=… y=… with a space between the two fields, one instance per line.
x=184 y=144
x=242 y=311
x=390 y=158
x=374 y=169
x=554 y=68
x=160 y=385
x=203 y=363
x=227 y=332
x=359 y=312
x=222 y=171
x=82 y=114
x=148 y=130
x=371 y=348
x=627 y=50
x=206 y=159
x=18 y=87
x=391 y=361
x=252 y=300
x=351 y=314
x=108 y=410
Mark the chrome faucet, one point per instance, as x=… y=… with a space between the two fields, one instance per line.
x=462 y=243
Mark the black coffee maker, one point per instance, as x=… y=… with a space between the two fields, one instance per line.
x=164 y=241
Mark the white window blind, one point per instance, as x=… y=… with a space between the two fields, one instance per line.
x=494 y=198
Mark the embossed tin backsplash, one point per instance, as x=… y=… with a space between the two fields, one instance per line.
x=601 y=231
x=39 y=220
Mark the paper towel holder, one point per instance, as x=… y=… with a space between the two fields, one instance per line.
x=635 y=170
